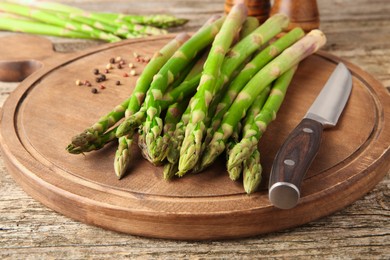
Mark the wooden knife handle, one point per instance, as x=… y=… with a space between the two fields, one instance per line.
x=292 y=162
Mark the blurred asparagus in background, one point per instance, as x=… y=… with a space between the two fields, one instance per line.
x=55 y=19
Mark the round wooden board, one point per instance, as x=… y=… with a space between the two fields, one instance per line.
x=47 y=109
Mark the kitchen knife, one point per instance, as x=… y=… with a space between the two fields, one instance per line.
x=301 y=146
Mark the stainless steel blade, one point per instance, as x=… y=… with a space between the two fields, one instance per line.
x=329 y=104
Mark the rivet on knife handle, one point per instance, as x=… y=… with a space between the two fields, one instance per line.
x=292 y=162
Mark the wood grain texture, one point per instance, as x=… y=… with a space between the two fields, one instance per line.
x=357 y=31
x=47 y=108
x=302 y=13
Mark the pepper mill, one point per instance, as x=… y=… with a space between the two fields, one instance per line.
x=302 y=13
x=257 y=8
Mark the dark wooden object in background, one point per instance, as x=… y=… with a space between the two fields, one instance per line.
x=257 y=8
x=302 y=13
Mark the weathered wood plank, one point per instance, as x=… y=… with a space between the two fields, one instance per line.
x=357 y=30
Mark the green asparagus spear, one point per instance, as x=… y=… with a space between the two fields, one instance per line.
x=234 y=173
x=49 y=18
x=250 y=69
x=191 y=147
x=159 y=20
x=253 y=111
x=172 y=117
x=91 y=145
x=33 y=27
x=122 y=156
x=152 y=127
x=169 y=171
x=179 y=93
x=128 y=30
x=286 y=60
x=255 y=129
x=251 y=23
x=252 y=171
x=185 y=89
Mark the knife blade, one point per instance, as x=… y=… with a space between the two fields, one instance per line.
x=296 y=154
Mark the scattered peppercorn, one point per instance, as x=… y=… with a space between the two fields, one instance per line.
x=125 y=75
x=109 y=66
x=118 y=59
x=94 y=90
x=135 y=55
x=133 y=73
x=122 y=62
x=101 y=78
x=131 y=65
x=96 y=71
x=79 y=83
x=87 y=83
x=119 y=66
x=112 y=60
x=102 y=87
x=106 y=71
x=117 y=83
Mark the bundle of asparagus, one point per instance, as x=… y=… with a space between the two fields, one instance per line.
x=65 y=21
x=200 y=96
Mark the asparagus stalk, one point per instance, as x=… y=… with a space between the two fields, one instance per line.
x=15 y=25
x=162 y=21
x=180 y=93
x=250 y=24
x=255 y=129
x=17 y=17
x=234 y=173
x=250 y=69
x=128 y=30
x=172 y=117
x=134 y=118
x=236 y=56
x=91 y=145
x=158 y=20
x=84 y=19
x=252 y=171
x=49 y=18
x=190 y=150
x=253 y=111
x=169 y=170
x=152 y=127
x=185 y=89
x=176 y=94
x=285 y=61
x=93 y=132
x=122 y=156
x=145 y=79
x=173 y=152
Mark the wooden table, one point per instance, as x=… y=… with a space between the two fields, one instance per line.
x=357 y=30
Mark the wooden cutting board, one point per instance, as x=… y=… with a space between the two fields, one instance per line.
x=47 y=109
